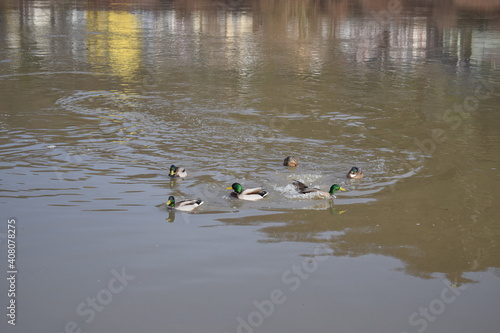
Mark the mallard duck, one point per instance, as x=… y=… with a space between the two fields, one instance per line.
x=290 y=161
x=249 y=194
x=304 y=189
x=184 y=205
x=177 y=172
x=355 y=173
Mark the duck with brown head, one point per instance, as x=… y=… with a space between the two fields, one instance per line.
x=290 y=161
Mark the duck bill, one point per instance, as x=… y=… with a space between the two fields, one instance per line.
x=229 y=188
x=342 y=189
x=169 y=203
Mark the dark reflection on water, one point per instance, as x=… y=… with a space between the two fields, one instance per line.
x=98 y=98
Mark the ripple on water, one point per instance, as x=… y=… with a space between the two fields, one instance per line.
x=218 y=146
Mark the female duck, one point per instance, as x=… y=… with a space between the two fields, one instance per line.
x=177 y=172
x=304 y=189
x=290 y=161
x=251 y=194
x=184 y=205
x=355 y=173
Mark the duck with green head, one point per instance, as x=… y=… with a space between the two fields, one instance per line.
x=177 y=172
x=184 y=205
x=304 y=189
x=355 y=173
x=251 y=194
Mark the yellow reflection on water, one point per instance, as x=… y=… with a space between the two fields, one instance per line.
x=113 y=41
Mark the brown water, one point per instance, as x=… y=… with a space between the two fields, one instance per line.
x=98 y=99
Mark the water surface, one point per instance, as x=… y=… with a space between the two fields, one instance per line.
x=98 y=99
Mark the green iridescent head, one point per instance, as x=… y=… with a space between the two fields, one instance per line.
x=335 y=188
x=173 y=169
x=171 y=202
x=353 y=171
x=236 y=188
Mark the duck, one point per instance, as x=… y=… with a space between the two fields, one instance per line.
x=355 y=173
x=290 y=161
x=184 y=205
x=251 y=194
x=304 y=189
x=177 y=172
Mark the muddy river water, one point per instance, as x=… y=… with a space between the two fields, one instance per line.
x=99 y=98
